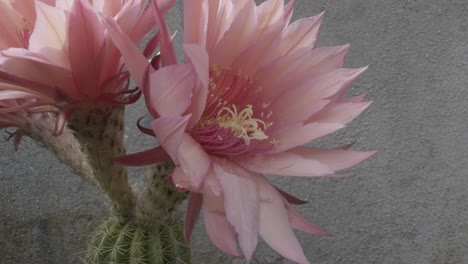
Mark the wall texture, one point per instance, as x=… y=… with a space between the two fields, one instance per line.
x=408 y=204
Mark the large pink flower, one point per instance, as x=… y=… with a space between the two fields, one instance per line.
x=59 y=53
x=253 y=90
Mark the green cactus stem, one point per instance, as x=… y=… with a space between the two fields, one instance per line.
x=122 y=242
x=101 y=139
x=159 y=198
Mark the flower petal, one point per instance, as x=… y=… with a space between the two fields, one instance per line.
x=194 y=205
x=220 y=231
x=285 y=164
x=241 y=204
x=302 y=224
x=275 y=228
x=85 y=56
x=50 y=34
x=301 y=33
x=193 y=160
x=151 y=156
x=170 y=132
x=295 y=135
x=336 y=159
x=171 y=89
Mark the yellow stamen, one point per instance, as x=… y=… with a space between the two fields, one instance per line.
x=275 y=142
x=243 y=123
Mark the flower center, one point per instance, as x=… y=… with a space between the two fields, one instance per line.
x=234 y=121
x=243 y=124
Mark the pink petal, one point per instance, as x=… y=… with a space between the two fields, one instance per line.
x=151 y=156
x=192 y=19
x=237 y=37
x=10 y=20
x=220 y=231
x=241 y=204
x=168 y=56
x=199 y=59
x=342 y=113
x=134 y=60
x=289 y=197
x=318 y=86
x=270 y=12
x=301 y=33
x=194 y=205
x=171 y=89
x=170 y=132
x=299 y=67
x=288 y=11
x=180 y=179
x=193 y=160
x=85 y=56
x=302 y=224
x=298 y=134
x=275 y=228
x=285 y=164
x=50 y=34
x=336 y=159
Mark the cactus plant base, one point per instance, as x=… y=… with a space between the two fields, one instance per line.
x=120 y=241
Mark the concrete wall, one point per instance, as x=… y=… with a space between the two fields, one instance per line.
x=408 y=204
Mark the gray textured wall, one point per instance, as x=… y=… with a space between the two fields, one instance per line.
x=408 y=204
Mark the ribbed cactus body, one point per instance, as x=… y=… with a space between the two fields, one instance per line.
x=122 y=242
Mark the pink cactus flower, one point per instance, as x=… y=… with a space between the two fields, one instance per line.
x=252 y=91
x=59 y=53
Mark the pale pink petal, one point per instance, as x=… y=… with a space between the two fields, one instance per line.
x=180 y=179
x=134 y=60
x=275 y=228
x=336 y=159
x=302 y=33
x=24 y=69
x=317 y=87
x=170 y=89
x=289 y=197
x=261 y=51
x=237 y=37
x=85 y=56
x=288 y=11
x=285 y=164
x=199 y=59
x=241 y=204
x=298 y=67
x=300 y=223
x=194 y=205
x=193 y=160
x=300 y=111
x=270 y=12
x=168 y=56
x=170 y=132
x=10 y=24
x=192 y=19
x=220 y=231
x=298 y=134
x=342 y=113
x=50 y=34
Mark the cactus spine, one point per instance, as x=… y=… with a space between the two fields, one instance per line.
x=154 y=235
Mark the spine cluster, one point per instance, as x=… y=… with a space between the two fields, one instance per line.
x=123 y=242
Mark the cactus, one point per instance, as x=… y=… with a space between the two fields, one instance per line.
x=101 y=139
x=123 y=242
